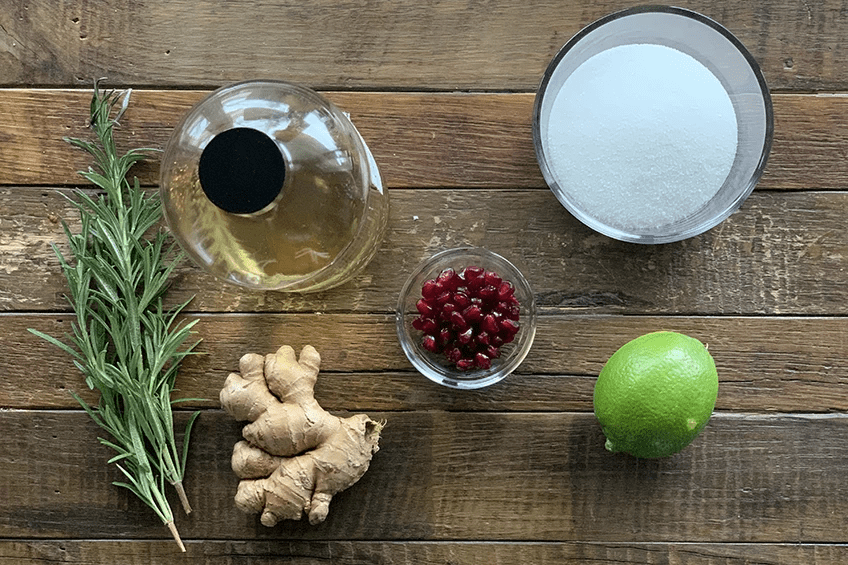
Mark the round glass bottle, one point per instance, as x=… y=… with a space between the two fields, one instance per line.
x=269 y=186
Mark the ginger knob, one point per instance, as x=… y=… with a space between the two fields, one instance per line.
x=295 y=455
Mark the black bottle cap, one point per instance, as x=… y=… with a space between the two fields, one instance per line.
x=241 y=170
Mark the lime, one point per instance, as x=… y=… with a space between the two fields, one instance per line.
x=655 y=394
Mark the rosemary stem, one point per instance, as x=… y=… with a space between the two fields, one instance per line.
x=173 y=528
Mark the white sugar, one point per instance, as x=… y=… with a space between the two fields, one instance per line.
x=641 y=136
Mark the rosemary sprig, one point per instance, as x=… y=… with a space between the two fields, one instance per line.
x=125 y=343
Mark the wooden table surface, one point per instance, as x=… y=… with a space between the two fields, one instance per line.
x=442 y=90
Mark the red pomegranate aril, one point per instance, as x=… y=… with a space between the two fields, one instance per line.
x=482 y=361
x=489 y=324
x=428 y=342
x=497 y=341
x=488 y=293
x=472 y=314
x=431 y=289
x=511 y=311
x=472 y=271
x=505 y=290
x=483 y=339
x=445 y=337
x=509 y=327
x=493 y=352
x=448 y=279
x=430 y=327
x=492 y=278
x=474 y=284
x=508 y=338
x=461 y=300
x=443 y=298
x=424 y=308
x=465 y=364
x=449 y=307
x=453 y=354
x=465 y=337
x=418 y=323
x=458 y=322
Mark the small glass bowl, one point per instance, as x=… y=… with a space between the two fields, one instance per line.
x=435 y=366
x=715 y=48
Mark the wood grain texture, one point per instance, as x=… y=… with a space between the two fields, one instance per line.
x=780 y=254
x=430 y=140
x=764 y=364
x=444 y=476
x=211 y=552
x=437 y=44
x=442 y=91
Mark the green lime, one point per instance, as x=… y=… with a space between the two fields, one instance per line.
x=655 y=394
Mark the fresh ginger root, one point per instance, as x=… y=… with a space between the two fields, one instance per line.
x=295 y=455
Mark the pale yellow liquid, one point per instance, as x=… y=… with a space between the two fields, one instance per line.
x=316 y=221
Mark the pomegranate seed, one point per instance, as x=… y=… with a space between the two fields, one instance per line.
x=465 y=364
x=492 y=278
x=424 y=308
x=497 y=341
x=505 y=290
x=489 y=324
x=472 y=271
x=509 y=327
x=443 y=298
x=488 y=293
x=428 y=342
x=448 y=279
x=472 y=314
x=482 y=361
x=449 y=307
x=511 y=311
x=445 y=337
x=458 y=322
x=493 y=352
x=465 y=337
x=508 y=338
x=431 y=289
x=461 y=300
x=418 y=323
x=475 y=283
x=483 y=339
x=453 y=354
x=430 y=327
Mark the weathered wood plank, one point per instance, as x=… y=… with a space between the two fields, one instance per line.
x=463 y=476
x=418 y=139
x=408 y=133
x=781 y=253
x=31 y=552
x=764 y=364
x=439 y=44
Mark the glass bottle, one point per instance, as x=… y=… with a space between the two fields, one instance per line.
x=267 y=185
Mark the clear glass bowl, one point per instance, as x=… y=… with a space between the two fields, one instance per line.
x=269 y=186
x=716 y=49
x=435 y=366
